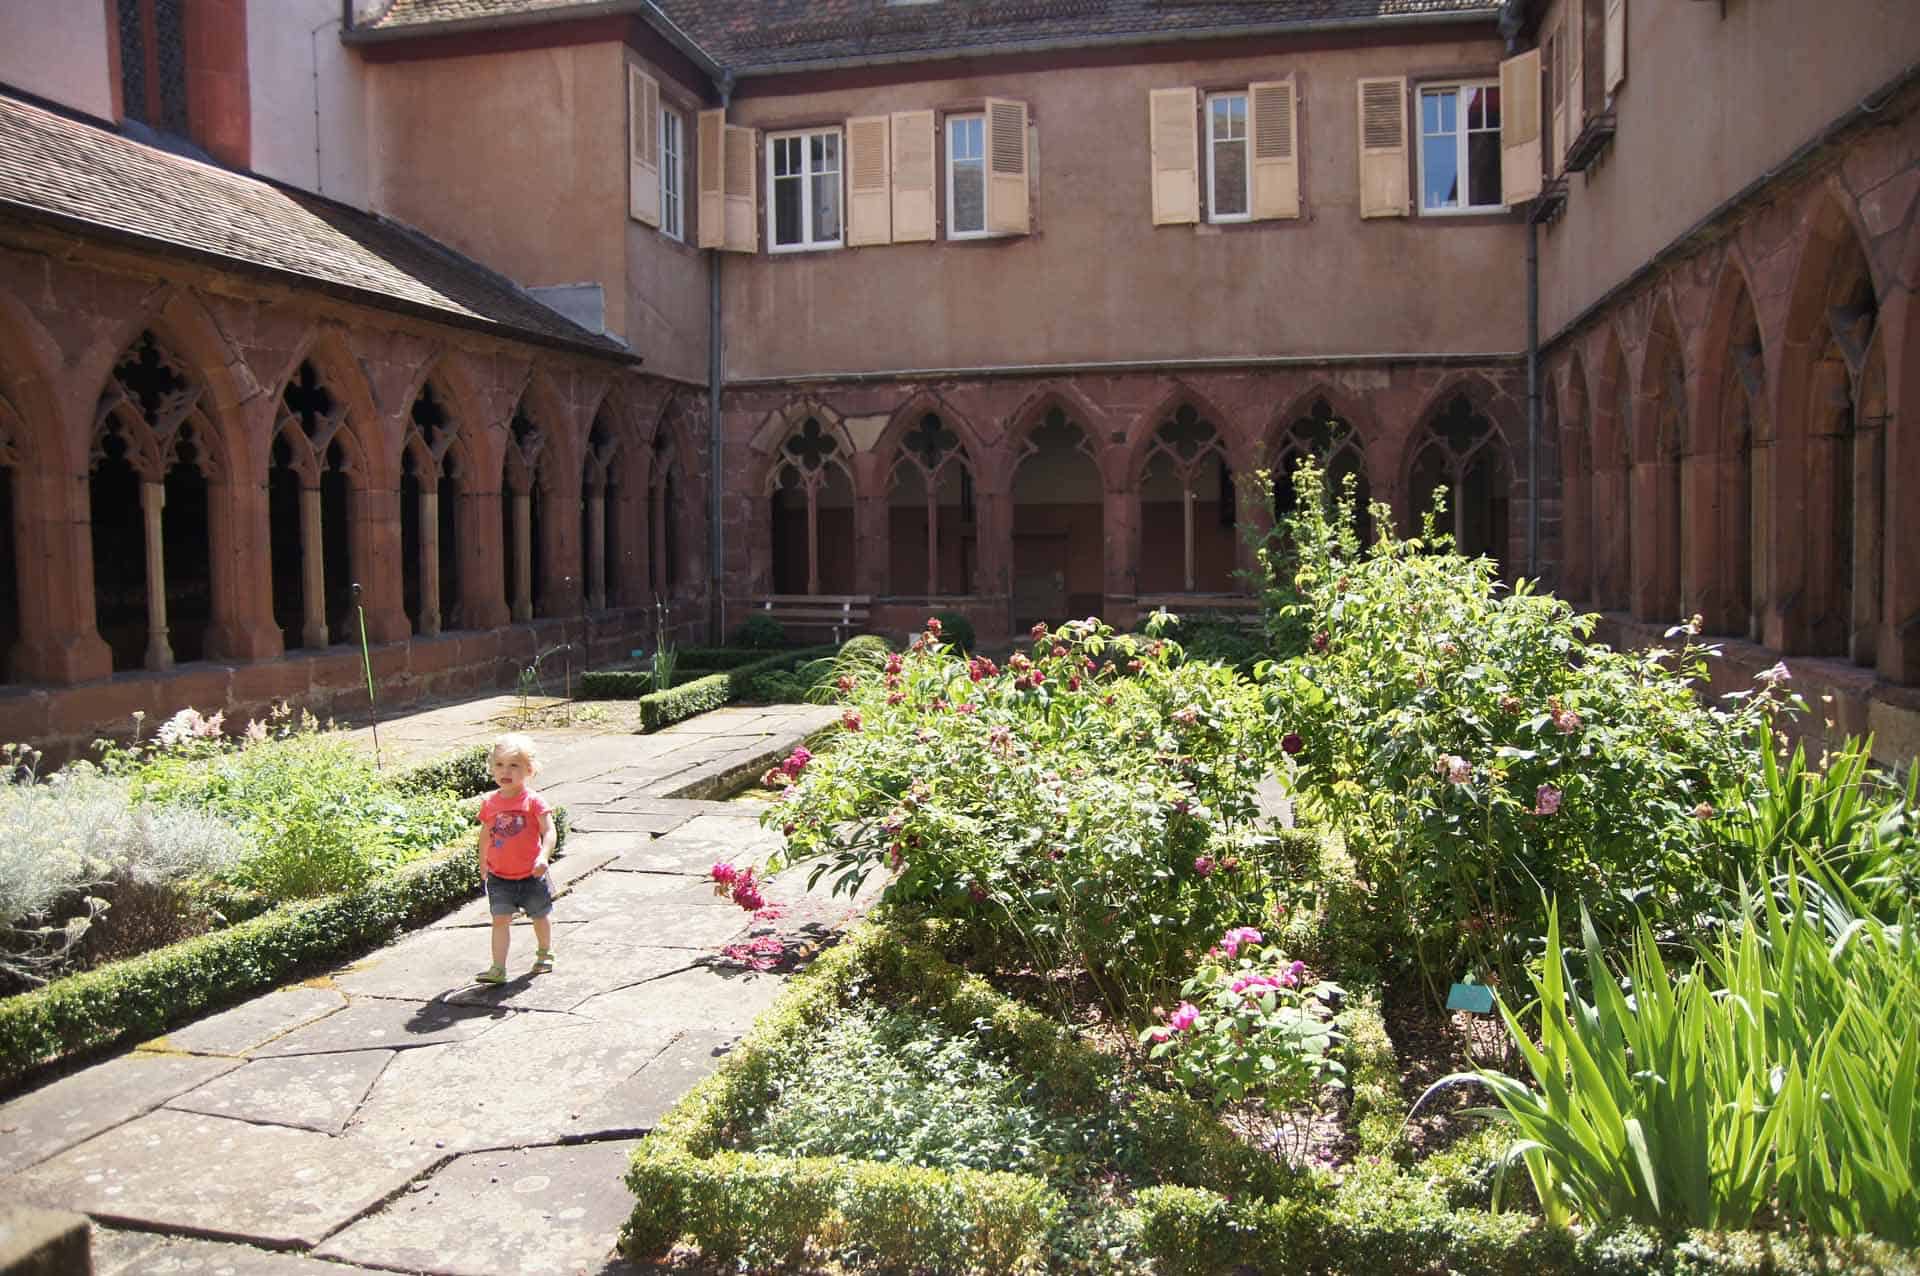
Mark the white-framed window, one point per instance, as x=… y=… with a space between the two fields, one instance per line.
x=672 y=173
x=803 y=190
x=1460 y=147
x=966 y=176
x=1227 y=166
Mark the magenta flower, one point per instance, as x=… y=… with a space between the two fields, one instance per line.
x=893 y=663
x=1290 y=977
x=796 y=762
x=1039 y=630
x=1239 y=935
x=1182 y=1017
x=851 y=720
x=725 y=873
x=1203 y=865
x=1292 y=743
x=933 y=625
x=746 y=893
x=1546 y=800
x=1455 y=768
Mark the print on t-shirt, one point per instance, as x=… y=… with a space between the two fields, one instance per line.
x=506 y=826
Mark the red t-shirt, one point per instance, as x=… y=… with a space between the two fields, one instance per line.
x=513 y=832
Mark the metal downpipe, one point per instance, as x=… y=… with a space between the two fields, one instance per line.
x=716 y=474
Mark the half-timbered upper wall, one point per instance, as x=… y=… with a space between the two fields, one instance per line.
x=1095 y=279
x=1714 y=97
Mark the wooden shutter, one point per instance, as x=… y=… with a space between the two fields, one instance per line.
x=1384 y=187
x=713 y=183
x=1276 y=156
x=869 y=184
x=1576 y=83
x=1520 y=128
x=643 y=147
x=913 y=176
x=1616 y=45
x=1173 y=137
x=1006 y=146
x=742 y=229
x=1557 y=94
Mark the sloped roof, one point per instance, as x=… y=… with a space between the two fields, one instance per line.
x=82 y=173
x=765 y=36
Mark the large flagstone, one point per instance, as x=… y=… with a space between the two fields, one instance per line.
x=609 y=894
x=256 y=1022
x=376 y=1024
x=531 y=1212
x=691 y=917
x=636 y=1105
x=73 y=1109
x=527 y=1082
x=633 y=824
x=438 y=966
x=312 y=1092
x=702 y=997
x=117 y=1253
x=221 y=1178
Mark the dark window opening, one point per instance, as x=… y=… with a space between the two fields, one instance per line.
x=153 y=64
x=187 y=559
x=9 y=579
x=410 y=583
x=336 y=509
x=450 y=610
x=119 y=556
x=283 y=530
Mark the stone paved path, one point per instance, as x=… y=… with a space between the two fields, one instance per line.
x=394 y=1116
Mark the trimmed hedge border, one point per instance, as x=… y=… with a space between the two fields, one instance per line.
x=769 y=1209
x=690 y=699
x=143 y=996
x=615 y=684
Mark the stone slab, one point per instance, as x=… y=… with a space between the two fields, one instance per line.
x=732 y=837
x=686 y=808
x=375 y=1024
x=526 y=1083
x=609 y=894
x=254 y=1023
x=637 y=1104
x=532 y=1210
x=634 y=825
x=115 y=1251
x=703 y=996
x=173 y=1256
x=436 y=968
x=309 y=1092
x=219 y=1178
x=37 y=1242
x=73 y=1109
x=687 y=918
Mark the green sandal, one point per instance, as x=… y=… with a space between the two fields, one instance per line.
x=543 y=961
x=495 y=974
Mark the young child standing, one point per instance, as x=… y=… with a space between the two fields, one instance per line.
x=516 y=841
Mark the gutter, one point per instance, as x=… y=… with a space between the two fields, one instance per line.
x=1222 y=363
x=643 y=9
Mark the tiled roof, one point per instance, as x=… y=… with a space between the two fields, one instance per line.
x=764 y=35
x=83 y=172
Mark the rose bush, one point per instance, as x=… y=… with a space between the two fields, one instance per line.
x=1480 y=754
x=1090 y=805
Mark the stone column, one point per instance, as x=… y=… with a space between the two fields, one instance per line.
x=313 y=570
x=1186 y=515
x=813 y=539
x=482 y=548
x=597 y=550
x=657 y=545
x=153 y=499
x=429 y=561
x=523 y=556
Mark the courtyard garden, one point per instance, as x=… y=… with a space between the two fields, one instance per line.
x=1541 y=961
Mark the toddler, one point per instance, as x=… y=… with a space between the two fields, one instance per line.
x=516 y=841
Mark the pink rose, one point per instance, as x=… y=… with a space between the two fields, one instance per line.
x=1546 y=800
x=1182 y=1017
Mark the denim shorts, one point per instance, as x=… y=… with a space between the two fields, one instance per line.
x=508 y=895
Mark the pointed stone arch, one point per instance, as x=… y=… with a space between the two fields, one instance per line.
x=810 y=485
x=1186 y=508
x=1826 y=554
x=1066 y=532
x=1899 y=645
x=1610 y=412
x=1660 y=440
x=672 y=498
x=1327 y=425
x=927 y=526
x=613 y=501
x=1727 y=469
x=1178 y=394
x=1460 y=444
x=1579 y=535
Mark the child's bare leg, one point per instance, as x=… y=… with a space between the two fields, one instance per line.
x=543 y=933
x=501 y=937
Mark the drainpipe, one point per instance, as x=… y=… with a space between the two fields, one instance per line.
x=716 y=475
x=1533 y=399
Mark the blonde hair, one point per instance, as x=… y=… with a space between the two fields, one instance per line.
x=515 y=745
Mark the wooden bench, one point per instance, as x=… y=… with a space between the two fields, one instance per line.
x=843 y=614
x=1234 y=609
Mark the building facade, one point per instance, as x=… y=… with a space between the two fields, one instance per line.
x=523 y=315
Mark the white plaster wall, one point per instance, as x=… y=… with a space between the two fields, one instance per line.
x=58 y=50
x=308 y=98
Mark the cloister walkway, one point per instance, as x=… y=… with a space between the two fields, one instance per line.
x=391 y=1115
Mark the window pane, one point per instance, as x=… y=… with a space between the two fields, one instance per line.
x=1430 y=112
x=1229 y=179
x=826 y=207
x=786 y=210
x=826 y=152
x=1440 y=162
x=1483 y=168
x=1490 y=95
x=969 y=210
x=786 y=156
x=964 y=138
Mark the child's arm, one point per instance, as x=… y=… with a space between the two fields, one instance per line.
x=546 y=844
x=482 y=846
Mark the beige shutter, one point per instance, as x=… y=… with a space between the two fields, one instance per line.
x=1173 y=137
x=1384 y=187
x=1520 y=128
x=1276 y=156
x=913 y=176
x=742 y=229
x=713 y=183
x=1576 y=84
x=869 y=190
x=643 y=147
x=1557 y=93
x=1006 y=146
x=1616 y=45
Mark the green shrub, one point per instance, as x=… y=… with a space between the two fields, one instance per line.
x=760 y=632
x=615 y=684
x=864 y=651
x=716 y=659
x=1475 y=748
x=955 y=630
x=143 y=996
x=466 y=773
x=662 y=708
x=1222 y=642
